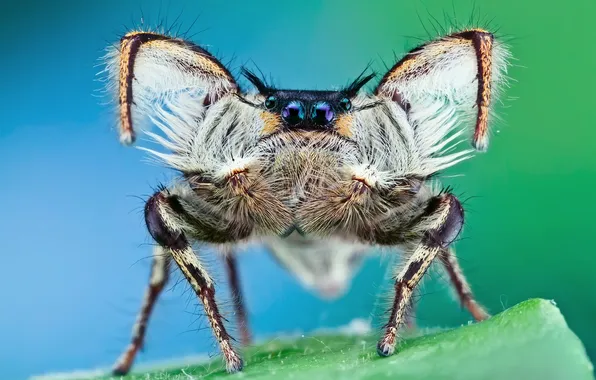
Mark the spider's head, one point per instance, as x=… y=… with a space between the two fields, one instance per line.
x=307 y=110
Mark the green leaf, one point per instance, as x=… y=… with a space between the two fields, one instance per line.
x=528 y=341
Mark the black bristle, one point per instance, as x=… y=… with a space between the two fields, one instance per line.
x=260 y=85
x=358 y=83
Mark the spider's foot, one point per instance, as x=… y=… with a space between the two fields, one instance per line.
x=124 y=363
x=385 y=348
x=477 y=311
x=234 y=363
x=120 y=371
x=386 y=345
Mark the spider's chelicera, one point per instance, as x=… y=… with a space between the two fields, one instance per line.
x=319 y=177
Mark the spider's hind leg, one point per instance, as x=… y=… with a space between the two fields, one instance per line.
x=461 y=286
x=236 y=290
x=438 y=228
x=157 y=281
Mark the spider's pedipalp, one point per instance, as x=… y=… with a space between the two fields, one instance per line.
x=446 y=79
x=150 y=69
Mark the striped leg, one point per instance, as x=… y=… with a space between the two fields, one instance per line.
x=163 y=224
x=236 y=290
x=411 y=315
x=158 y=279
x=459 y=282
x=439 y=226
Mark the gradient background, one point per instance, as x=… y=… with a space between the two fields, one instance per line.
x=74 y=245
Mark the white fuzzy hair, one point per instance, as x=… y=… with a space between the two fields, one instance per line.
x=319 y=200
x=441 y=114
x=392 y=143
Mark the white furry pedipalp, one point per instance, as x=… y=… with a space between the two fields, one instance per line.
x=438 y=84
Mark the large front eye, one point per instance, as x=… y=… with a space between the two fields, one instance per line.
x=322 y=113
x=345 y=104
x=293 y=113
x=270 y=102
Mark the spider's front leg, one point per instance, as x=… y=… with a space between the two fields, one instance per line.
x=162 y=215
x=438 y=227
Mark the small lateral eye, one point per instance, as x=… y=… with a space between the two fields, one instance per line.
x=270 y=102
x=345 y=104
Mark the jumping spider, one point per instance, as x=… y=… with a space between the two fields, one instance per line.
x=322 y=169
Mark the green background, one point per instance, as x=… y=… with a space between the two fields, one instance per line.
x=529 y=224
x=72 y=289
x=530 y=233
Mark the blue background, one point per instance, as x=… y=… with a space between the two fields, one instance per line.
x=74 y=249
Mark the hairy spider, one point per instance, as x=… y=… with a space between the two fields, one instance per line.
x=309 y=174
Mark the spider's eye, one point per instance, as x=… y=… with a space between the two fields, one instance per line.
x=322 y=113
x=345 y=104
x=293 y=113
x=270 y=102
